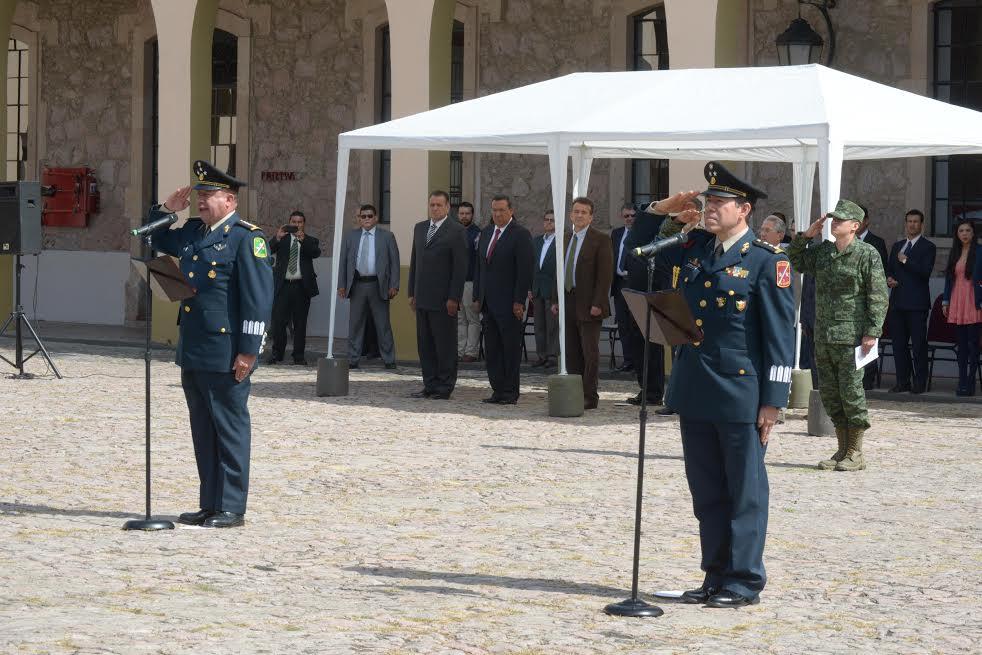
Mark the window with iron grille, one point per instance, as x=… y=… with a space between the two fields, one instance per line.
x=224 y=77
x=384 y=157
x=18 y=101
x=958 y=80
x=456 y=189
x=649 y=32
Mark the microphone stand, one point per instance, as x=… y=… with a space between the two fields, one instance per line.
x=147 y=523
x=634 y=606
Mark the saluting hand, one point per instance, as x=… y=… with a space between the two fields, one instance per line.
x=179 y=200
x=815 y=228
x=674 y=203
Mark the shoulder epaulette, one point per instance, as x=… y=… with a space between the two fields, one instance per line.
x=766 y=246
x=248 y=225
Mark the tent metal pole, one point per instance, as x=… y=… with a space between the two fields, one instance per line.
x=340 y=192
x=558 y=155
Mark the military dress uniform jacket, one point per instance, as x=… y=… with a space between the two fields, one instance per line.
x=229 y=270
x=852 y=286
x=744 y=304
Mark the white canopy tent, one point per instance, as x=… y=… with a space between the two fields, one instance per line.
x=805 y=115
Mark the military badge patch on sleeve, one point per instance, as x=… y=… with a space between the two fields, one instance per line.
x=783 y=274
x=259 y=248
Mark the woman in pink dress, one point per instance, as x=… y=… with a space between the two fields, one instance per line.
x=962 y=301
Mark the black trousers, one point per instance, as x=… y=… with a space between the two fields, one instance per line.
x=907 y=325
x=436 y=340
x=968 y=355
x=222 y=435
x=503 y=349
x=656 y=361
x=623 y=316
x=291 y=304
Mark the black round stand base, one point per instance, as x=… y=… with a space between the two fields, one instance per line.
x=633 y=607
x=148 y=524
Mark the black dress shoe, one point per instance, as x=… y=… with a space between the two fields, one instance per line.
x=589 y=405
x=698 y=596
x=918 y=389
x=493 y=400
x=195 y=518
x=899 y=388
x=635 y=400
x=506 y=400
x=665 y=411
x=439 y=396
x=625 y=368
x=539 y=362
x=273 y=360
x=352 y=365
x=425 y=393
x=303 y=362
x=731 y=599
x=391 y=366
x=224 y=520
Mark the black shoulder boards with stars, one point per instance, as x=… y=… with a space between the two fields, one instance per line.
x=248 y=225
x=766 y=246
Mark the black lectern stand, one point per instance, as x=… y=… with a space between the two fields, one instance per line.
x=664 y=318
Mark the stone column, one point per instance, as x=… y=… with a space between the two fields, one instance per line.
x=184 y=37
x=419 y=32
x=6 y=262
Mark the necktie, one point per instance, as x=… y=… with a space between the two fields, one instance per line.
x=570 y=263
x=718 y=252
x=430 y=232
x=294 y=257
x=907 y=249
x=363 y=251
x=494 y=241
x=620 y=258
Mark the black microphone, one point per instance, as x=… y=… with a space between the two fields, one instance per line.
x=658 y=245
x=156 y=225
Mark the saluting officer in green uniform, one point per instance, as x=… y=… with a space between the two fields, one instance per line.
x=851 y=289
x=223 y=326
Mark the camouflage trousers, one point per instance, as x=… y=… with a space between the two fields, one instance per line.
x=841 y=385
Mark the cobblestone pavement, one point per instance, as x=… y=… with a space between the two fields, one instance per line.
x=382 y=524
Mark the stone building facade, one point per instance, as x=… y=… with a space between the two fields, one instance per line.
x=306 y=70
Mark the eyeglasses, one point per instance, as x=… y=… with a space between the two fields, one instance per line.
x=366 y=215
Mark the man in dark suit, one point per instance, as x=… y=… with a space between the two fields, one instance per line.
x=223 y=325
x=368 y=275
x=543 y=290
x=909 y=270
x=864 y=234
x=618 y=240
x=589 y=268
x=645 y=229
x=501 y=284
x=437 y=270
x=295 y=283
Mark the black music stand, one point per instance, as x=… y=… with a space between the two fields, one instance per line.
x=663 y=317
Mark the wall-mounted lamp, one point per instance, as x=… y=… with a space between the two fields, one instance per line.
x=800 y=44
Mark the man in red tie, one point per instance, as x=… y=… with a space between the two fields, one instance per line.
x=502 y=280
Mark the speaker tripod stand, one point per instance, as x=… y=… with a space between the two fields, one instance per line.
x=19 y=319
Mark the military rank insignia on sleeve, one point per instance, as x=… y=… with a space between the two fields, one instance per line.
x=783 y=274
x=259 y=248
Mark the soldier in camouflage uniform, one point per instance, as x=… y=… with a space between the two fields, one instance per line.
x=852 y=303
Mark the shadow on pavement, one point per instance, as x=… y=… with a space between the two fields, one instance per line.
x=616 y=453
x=530 y=584
x=13 y=509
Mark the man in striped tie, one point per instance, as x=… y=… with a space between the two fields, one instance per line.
x=437 y=271
x=295 y=284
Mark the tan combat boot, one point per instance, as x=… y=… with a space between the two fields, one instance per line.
x=853 y=461
x=842 y=436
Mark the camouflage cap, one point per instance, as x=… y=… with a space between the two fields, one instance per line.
x=847 y=210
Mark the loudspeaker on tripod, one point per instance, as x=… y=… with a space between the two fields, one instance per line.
x=20 y=218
